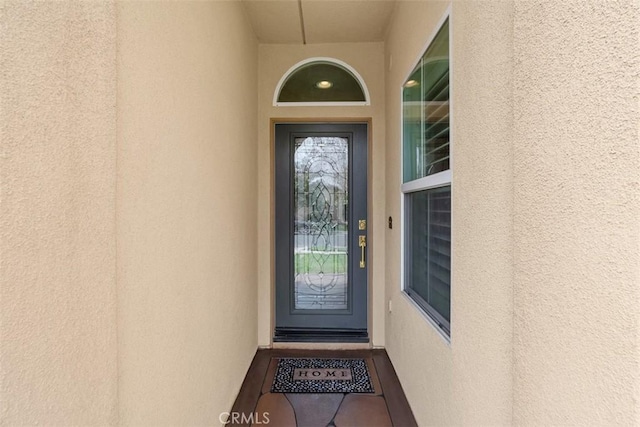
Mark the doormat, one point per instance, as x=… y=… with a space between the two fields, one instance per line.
x=300 y=375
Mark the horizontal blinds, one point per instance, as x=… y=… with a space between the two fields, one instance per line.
x=439 y=249
x=429 y=266
x=436 y=126
x=435 y=158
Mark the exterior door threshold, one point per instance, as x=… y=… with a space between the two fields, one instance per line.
x=321 y=335
x=320 y=346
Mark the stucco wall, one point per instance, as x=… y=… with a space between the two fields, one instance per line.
x=577 y=213
x=546 y=208
x=186 y=206
x=274 y=61
x=469 y=380
x=57 y=218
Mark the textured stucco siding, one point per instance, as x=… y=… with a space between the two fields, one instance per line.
x=187 y=295
x=469 y=380
x=57 y=213
x=546 y=216
x=577 y=212
x=136 y=200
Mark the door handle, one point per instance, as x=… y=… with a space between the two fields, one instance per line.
x=362 y=242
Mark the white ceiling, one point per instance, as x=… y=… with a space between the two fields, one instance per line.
x=319 y=21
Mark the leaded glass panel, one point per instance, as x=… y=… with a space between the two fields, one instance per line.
x=321 y=223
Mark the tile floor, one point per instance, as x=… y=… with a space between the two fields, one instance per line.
x=387 y=406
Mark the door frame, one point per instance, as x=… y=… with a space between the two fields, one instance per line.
x=272 y=211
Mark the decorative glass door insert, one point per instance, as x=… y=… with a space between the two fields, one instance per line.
x=321 y=222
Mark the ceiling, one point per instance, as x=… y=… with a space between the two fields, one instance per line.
x=319 y=21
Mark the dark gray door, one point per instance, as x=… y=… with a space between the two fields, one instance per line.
x=321 y=232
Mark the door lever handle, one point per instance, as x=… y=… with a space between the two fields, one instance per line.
x=362 y=242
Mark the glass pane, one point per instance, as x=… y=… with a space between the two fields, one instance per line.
x=303 y=85
x=425 y=98
x=321 y=170
x=429 y=247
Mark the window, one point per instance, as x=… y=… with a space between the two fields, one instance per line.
x=426 y=184
x=321 y=81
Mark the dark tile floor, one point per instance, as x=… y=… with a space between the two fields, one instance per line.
x=387 y=406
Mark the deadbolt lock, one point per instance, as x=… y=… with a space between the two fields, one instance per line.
x=362 y=224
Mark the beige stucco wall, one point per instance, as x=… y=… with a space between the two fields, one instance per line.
x=57 y=217
x=577 y=213
x=274 y=61
x=546 y=208
x=187 y=85
x=546 y=201
x=469 y=380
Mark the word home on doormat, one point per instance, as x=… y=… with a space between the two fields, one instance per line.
x=310 y=375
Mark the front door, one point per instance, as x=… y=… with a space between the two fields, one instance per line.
x=321 y=232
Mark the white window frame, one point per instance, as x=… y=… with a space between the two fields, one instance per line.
x=429 y=182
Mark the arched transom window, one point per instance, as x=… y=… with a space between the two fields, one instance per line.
x=321 y=81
